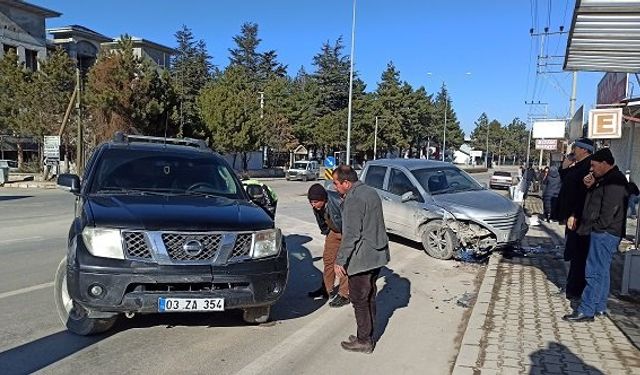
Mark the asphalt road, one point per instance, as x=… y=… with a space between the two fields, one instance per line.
x=419 y=321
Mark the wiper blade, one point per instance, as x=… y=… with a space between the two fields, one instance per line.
x=134 y=191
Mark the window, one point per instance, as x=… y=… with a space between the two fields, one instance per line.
x=445 y=180
x=31 y=59
x=375 y=176
x=400 y=184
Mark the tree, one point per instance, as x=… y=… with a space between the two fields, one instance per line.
x=14 y=99
x=191 y=70
x=479 y=133
x=516 y=138
x=231 y=112
x=390 y=101
x=130 y=94
x=270 y=67
x=454 y=134
x=246 y=52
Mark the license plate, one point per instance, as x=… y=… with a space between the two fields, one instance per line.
x=190 y=304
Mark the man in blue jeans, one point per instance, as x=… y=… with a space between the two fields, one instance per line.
x=604 y=216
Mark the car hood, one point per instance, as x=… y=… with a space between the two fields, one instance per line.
x=179 y=213
x=477 y=204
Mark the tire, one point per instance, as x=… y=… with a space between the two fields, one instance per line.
x=438 y=242
x=72 y=315
x=256 y=315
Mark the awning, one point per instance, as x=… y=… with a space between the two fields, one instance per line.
x=604 y=37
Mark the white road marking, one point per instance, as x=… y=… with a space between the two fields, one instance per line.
x=26 y=290
x=21 y=239
x=308 y=331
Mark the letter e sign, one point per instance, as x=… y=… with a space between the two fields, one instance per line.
x=605 y=123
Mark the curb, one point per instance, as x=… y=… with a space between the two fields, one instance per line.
x=29 y=185
x=466 y=361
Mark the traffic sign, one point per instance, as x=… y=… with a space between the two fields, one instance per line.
x=328 y=174
x=330 y=162
x=52 y=146
x=547 y=144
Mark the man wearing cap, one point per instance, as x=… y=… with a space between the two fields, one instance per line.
x=604 y=217
x=570 y=205
x=326 y=209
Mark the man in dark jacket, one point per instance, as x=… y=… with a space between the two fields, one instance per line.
x=363 y=252
x=604 y=216
x=570 y=205
x=551 y=185
x=326 y=209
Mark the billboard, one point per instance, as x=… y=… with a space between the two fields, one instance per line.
x=605 y=123
x=548 y=129
x=547 y=144
x=612 y=88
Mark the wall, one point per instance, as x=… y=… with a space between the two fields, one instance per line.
x=254 y=160
x=22 y=30
x=626 y=150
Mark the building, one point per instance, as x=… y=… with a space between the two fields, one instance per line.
x=159 y=54
x=22 y=28
x=81 y=43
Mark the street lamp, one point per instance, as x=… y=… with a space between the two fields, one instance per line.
x=353 y=38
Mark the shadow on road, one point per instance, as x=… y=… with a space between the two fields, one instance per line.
x=13 y=197
x=394 y=295
x=303 y=278
x=35 y=355
x=553 y=354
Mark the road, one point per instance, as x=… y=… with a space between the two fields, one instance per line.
x=419 y=321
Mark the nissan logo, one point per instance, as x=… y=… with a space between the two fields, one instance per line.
x=192 y=248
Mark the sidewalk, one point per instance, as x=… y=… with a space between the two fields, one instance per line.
x=516 y=326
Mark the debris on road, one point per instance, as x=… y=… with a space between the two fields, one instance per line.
x=466 y=300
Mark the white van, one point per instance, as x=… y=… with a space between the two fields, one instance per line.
x=303 y=170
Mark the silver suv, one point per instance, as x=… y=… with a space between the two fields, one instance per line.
x=443 y=207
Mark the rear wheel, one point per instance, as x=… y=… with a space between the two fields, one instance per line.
x=438 y=241
x=256 y=315
x=73 y=316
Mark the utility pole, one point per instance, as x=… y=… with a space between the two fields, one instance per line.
x=486 y=156
x=265 y=148
x=353 y=39
x=444 y=132
x=80 y=140
x=261 y=104
x=375 y=140
x=572 y=100
x=532 y=117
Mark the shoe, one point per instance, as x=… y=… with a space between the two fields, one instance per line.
x=358 y=346
x=352 y=338
x=577 y=317
x=319 y=293
x=339 y=301
x=602 y=314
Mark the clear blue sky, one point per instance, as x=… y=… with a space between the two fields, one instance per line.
x=448 y=38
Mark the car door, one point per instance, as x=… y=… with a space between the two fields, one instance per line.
x=401 y=215
x=375 y=176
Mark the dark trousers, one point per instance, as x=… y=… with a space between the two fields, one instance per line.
x=550 y=207
x=362 y=292
x=576 y=251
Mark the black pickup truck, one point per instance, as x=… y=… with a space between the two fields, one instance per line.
x=164 y=225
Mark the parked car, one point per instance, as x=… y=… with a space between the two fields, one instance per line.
x=304 y=170
x=502 y=179
x=440 y=205
x=164 y=225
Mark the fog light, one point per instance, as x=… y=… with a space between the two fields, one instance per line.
x=96 y=290
x=276 y=288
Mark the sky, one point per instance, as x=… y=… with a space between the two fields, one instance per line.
x=429 y=42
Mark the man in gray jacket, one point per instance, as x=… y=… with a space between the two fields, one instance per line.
x=363 y=251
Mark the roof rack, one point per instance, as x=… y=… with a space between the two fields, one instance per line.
x=120 y=137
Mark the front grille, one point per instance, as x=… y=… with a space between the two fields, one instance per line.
x=136 y=245
x=174 y=243
x=242 y=247
x=502 y=223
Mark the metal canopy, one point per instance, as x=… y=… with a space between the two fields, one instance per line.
x=604 y=37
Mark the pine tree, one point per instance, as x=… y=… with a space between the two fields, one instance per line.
x=191 y=70
x=389 y=104
x=454 y=134
x=246 y=52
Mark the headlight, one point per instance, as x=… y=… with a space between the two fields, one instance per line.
x=266 y=243
x=102 y=242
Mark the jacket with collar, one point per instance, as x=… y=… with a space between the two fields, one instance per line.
x=365 y=245
x=572 y=191
x=605 y=207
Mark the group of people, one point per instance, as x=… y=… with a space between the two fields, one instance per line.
x=592 y=202
x=356 y=247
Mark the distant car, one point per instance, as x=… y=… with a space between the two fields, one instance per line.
x=501 y=179
x=440 y=205
x=13 y=165
x=303 y=170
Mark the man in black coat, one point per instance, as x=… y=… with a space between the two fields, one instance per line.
x=605 y=218
x=570 y=205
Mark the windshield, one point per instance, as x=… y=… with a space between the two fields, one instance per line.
x=502 y=174
x=166 y=172
x=300 y=166
x=445 y=180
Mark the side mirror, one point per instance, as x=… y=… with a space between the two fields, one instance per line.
x=69 y=182
x=408 y=196
x=484 y=185
x=256 y=194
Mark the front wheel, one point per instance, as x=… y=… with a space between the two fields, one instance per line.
x=439 y=241
x=73 y=316
x=256 y=315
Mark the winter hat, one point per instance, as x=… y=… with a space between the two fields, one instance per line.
x=585 y=143
x=317 y=193
x=604 y=155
